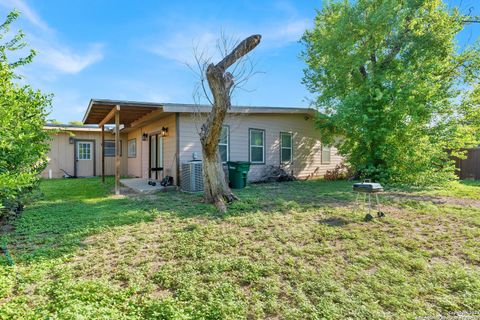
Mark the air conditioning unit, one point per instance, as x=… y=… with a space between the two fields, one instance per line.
x=191 y=176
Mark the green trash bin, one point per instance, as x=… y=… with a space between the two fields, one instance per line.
x=237 y=173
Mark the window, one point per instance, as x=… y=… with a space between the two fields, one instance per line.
x=325 y=154
x=257 y=146
x=285 y=147
x=110 y=148
x=223 y=144
x=132 y=148
x=84 y=151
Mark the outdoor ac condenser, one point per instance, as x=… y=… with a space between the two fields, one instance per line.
x=192 y=176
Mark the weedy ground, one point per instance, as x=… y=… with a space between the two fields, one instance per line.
x=293 y=250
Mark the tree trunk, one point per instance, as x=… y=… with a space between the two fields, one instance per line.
x=216 y=189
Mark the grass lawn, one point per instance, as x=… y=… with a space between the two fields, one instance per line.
x=294 y=250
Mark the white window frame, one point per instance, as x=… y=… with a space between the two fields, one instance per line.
x=288 y=148
x=324 y=149
x=132 y=153
x=84 y=155
x=250 y=145
x=227 y=145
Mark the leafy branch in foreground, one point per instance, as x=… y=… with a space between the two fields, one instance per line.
x=23 y=142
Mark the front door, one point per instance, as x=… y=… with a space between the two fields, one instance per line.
x=84 y=157
x=156 y=157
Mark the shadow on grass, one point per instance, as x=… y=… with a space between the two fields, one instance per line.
x=334 y=222
x=285 y=196
x=72 y=209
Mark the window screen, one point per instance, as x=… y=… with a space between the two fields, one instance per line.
x=132 y=148
x=223 y=144
x=257 y=146
x=286 y=147
x=325 y=154
x=110 y=148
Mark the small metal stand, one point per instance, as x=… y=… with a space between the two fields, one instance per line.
x=368 y=188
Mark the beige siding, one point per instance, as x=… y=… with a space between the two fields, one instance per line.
x=61 y=154
x=306 y=142
x=306 y=145
x=134 y=164
x=138 y=166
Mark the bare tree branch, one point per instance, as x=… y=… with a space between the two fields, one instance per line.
x=242 y=49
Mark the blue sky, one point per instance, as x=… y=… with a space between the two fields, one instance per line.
x=136 y=50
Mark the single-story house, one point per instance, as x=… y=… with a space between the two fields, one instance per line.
x=156 y=138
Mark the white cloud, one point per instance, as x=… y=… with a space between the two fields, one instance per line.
x=54 y=56
x=64 y=60
x=179 y=46
x=289 y=32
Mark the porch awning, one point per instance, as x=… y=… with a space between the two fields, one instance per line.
x=98 y=110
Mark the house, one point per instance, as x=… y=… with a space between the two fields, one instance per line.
x=155 y=138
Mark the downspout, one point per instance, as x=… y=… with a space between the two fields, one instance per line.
x=177 y=151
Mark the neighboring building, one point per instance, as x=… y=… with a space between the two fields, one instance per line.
x=165 y=135
x=76 y=151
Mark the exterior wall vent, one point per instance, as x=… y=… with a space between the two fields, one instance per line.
x=191 y=176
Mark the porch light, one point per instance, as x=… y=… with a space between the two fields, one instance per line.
x=71 y=140
x=164 y=131
x=144 y=137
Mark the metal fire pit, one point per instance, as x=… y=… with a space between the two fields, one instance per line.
x=367 y=188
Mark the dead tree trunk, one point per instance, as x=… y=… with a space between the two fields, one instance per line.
x=220 y=81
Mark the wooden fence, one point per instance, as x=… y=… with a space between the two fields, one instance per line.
x=469 y=167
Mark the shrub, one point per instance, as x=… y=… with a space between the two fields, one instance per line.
x=23 y=141
x=340 y=172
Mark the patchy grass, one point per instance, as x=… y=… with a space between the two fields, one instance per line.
x=465 y=189
x=294 y=250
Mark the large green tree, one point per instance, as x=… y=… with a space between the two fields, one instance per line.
x=23 y=142
x=390 y=82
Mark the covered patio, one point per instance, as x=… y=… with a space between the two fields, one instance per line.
x=124 y=116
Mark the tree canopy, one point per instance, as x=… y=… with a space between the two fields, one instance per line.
x=393 y=86
x=75 y=123
x=23 y=142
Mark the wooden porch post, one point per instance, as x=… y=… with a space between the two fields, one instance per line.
x=117 y=150
x=103 y=153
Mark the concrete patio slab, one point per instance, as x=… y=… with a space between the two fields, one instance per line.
x=141 y=185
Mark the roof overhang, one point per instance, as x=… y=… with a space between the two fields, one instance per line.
x=190 y=108
x=130 y=111
x=67 y=127
x=133 y=114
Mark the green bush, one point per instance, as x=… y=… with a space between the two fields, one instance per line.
x=23 y=141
